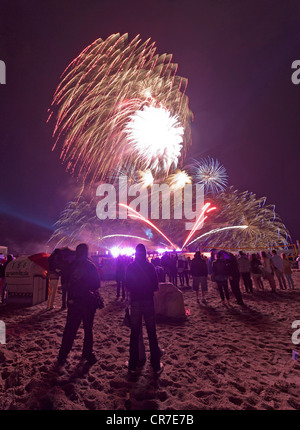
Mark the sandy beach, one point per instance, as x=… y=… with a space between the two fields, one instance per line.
x=220 y=358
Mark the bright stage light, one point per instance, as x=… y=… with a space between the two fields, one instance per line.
x=128 y=251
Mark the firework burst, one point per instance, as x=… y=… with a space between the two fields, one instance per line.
x=107 y=95
x=146 y=178
x=211 y=174
x=244 y=221
x=179 y=179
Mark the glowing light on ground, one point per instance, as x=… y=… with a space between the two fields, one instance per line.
x=217 y=230
x=137 y=215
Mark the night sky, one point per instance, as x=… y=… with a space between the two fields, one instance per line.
x=236 y=55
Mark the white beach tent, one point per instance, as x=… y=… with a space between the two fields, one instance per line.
x=26 y=282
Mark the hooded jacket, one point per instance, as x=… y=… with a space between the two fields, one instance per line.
x=141 y=280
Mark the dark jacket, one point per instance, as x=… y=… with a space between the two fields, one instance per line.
x=141 y=280
x=233 y=268
x=220 y=270
x=256 y=266
x=199 y=267
x=120 y=269
x=83 y=282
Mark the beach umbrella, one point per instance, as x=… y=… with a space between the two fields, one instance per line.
x=41 y=259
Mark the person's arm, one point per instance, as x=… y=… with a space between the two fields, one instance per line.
x=94 y=280
x=128 y=278
x=154 y=278
x=206 y=269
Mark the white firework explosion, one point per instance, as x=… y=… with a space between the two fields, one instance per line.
x=156 y=137
x=179 y=179
x=211 y=174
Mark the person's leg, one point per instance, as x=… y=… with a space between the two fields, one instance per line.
x=64 y=296
x=3 y=293
x=290 y=281
x=235 y=288
x=277 y=273
x=53 y=284
x=73 y=322
x=123 y=289
x=149 y=315
x=226 y=291
x=1 y=288
x=260 y=282
x=250 y=283
x=186 y=275
x=88 y=321
x=203 y=281
x=272 y=282
x=196 y=283
x=181 y=278
x=283 y=280
x=220 y=288
x=244 y=277
x=256 y=280
x=118 y=288
x=142 y=351
x=136 y=321
x=175 y=279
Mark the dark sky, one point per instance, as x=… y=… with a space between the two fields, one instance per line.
x=237 y=56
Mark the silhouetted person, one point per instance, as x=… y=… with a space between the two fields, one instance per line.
x=199 y=274
x=234 y=278
x=268 y=271
x=180 y=269
x=244 y=268
x=83 y=283
x=220 y=276
x=287 y=270
x=186 y=270
x=211 y=259
x=256 y=270
x=120 y=276
x=173 y=270
x=165 y=264
x=141 y=282
x=278 y=269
